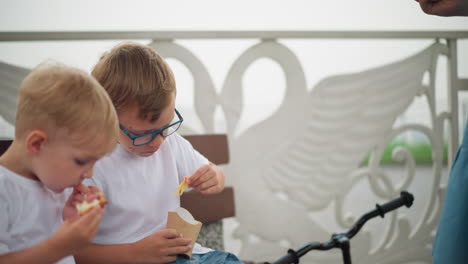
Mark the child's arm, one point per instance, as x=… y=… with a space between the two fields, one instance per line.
x=208 y=179
x=71 y=236
x=161 y=247
x=43 y=253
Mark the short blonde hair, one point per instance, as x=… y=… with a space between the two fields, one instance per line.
x=133 y=73
x=55 y=96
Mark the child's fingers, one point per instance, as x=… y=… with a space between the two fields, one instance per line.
x=78 y=198
x=207 y=185
x=204 y=185
x=91 y=197
x=93 y=189
x=179 y=242
x=177 y=250
x=169 y=233
x=194 y=179
x=205 y=181
x=72 y=219
x=199 y=172
x=73 y=199
x=91 y=217
x=75 y=192
x=81 y=188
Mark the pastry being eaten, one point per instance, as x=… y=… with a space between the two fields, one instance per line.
x=91 y=200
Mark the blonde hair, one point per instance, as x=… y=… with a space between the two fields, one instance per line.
x=133 y=73
x=55 y=96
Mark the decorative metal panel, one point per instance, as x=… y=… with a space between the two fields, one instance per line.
x=290 y=182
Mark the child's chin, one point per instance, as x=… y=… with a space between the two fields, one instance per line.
x=57 y=190
x=145 y=154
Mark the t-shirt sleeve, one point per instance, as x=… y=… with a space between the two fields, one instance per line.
x=188 y=159
x=4 y=225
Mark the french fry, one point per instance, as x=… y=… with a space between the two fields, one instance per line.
x=182 y=187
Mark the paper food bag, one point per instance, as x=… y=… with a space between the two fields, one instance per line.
x=182 y=221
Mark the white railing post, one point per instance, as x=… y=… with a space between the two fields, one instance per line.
x=452 y=97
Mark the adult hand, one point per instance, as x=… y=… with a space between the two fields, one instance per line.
x=444 y=7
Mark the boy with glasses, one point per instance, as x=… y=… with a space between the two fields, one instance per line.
x=139 y=178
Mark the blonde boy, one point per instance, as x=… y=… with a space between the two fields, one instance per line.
x=65 y=122
x=147 y=166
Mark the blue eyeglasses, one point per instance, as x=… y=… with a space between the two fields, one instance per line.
x=147 y=137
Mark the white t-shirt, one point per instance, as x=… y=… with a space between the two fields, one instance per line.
x=140 y=190
x=29 y=213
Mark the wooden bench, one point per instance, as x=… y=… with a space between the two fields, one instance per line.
x=210 y=209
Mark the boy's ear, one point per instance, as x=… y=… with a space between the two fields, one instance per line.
x=35 y=140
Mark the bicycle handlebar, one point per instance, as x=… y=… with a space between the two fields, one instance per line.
x=342 y=240
x=405 y=199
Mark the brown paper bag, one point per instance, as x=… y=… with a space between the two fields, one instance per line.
x=182 y=221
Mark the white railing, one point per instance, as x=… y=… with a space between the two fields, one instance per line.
x=288 y=181
x=178 y=35
x=455 y=83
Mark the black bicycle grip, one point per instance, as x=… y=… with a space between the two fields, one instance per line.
x=405 y=198
x=291 y=257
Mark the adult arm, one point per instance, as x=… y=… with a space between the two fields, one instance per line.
x=444 y=7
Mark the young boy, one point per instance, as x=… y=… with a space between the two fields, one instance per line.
x=142 y=174
x=65 y=122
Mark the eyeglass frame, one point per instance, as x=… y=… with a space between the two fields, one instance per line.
x=155 y=133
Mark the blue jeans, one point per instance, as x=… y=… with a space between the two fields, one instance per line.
x=213 y=257
x=450 y=244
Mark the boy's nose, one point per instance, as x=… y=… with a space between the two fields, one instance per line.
x=156 y=141
x=88 y=174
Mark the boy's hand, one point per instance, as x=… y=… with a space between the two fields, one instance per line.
x=161 y=247
x=78 y=196
x=69 y=211
x=78 y=232
x=208 y=179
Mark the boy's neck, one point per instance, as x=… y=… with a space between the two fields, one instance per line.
x=17 y=161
